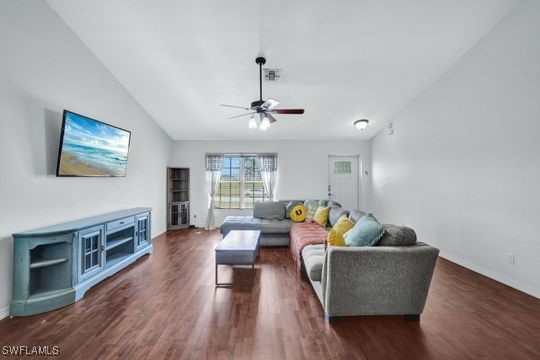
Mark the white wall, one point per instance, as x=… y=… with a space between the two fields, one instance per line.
x=45 y=68
x=463 y=167
x=302 y=168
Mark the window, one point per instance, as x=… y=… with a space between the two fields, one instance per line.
x=241 y=185
x=342 y=167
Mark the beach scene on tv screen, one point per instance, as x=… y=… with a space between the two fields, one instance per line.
x=91 y=148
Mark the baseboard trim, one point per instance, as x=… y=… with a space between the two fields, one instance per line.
x=4 y=312
x=492 y=275
x=160 y=234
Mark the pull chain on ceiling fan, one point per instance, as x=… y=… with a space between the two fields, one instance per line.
x=263 y=108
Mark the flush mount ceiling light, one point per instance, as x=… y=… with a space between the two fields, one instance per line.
x=361 y=124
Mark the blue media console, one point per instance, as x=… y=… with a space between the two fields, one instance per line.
x=54 y=266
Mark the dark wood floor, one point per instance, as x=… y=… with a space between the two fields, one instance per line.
x=166 y=306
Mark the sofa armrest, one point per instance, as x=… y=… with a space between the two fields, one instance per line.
x=377 y=280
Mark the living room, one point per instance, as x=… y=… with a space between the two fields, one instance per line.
x=447 y=98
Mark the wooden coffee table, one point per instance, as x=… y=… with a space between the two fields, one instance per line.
x=239 y=247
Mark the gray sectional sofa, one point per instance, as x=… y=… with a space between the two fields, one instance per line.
x=392 y=278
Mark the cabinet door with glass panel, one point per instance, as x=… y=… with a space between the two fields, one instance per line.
x=143 y=230
x=90 y=251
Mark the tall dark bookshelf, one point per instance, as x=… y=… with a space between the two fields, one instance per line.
x=177 y=198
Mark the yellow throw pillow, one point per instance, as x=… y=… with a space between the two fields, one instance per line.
x=321 y=215
x=298 y=213
x=336 y=234
x=334 y=238
x=343 y=225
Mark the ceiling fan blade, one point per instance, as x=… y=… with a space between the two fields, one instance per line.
x=271 y=118
x=270 y=104
x=234 y=106
x=237 y=116
x=288 y=111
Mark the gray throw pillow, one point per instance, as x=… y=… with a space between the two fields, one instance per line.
x=356 y=215
x=335 y=214
x=269 y=210
x=333 y=204
x=397 y=236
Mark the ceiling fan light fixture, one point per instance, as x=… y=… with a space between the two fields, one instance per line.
x=252 y=123
x=361 y=124
x=263 y=108
x=265 y=123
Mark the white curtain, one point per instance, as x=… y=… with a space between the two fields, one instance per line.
x=268 y=168
x=214 y=166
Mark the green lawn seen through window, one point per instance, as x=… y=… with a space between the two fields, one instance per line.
x=241 y=185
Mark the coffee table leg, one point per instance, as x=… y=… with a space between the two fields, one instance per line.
x=216 y=274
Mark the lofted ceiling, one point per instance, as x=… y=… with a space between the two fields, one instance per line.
x=340 y=60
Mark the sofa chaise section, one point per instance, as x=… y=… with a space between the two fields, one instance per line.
x=273 y=232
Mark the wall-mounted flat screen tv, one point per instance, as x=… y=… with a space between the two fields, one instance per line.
x=90 y=147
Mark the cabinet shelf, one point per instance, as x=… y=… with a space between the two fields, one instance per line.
x=44 y=293
x=47 y=262
x=116 y=258
x=111 y=244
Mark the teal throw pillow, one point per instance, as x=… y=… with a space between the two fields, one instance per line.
x=323 y=203
x=366 y=232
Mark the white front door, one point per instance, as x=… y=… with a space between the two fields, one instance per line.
x=343 y=185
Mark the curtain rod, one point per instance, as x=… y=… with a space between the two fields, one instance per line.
x=239 y=154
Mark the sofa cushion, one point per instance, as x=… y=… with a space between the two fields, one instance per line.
x=356 y=215
x=313 y=256
x=397 y=236
x=303 y=234
x=266 y=226
x=366 y=232
x=336 y=213
x=273 y=210
x=321 y=216
x=290 y=206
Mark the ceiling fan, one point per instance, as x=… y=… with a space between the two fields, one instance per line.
x=263 y=108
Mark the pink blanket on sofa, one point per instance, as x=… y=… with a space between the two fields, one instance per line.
x=303 y=234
